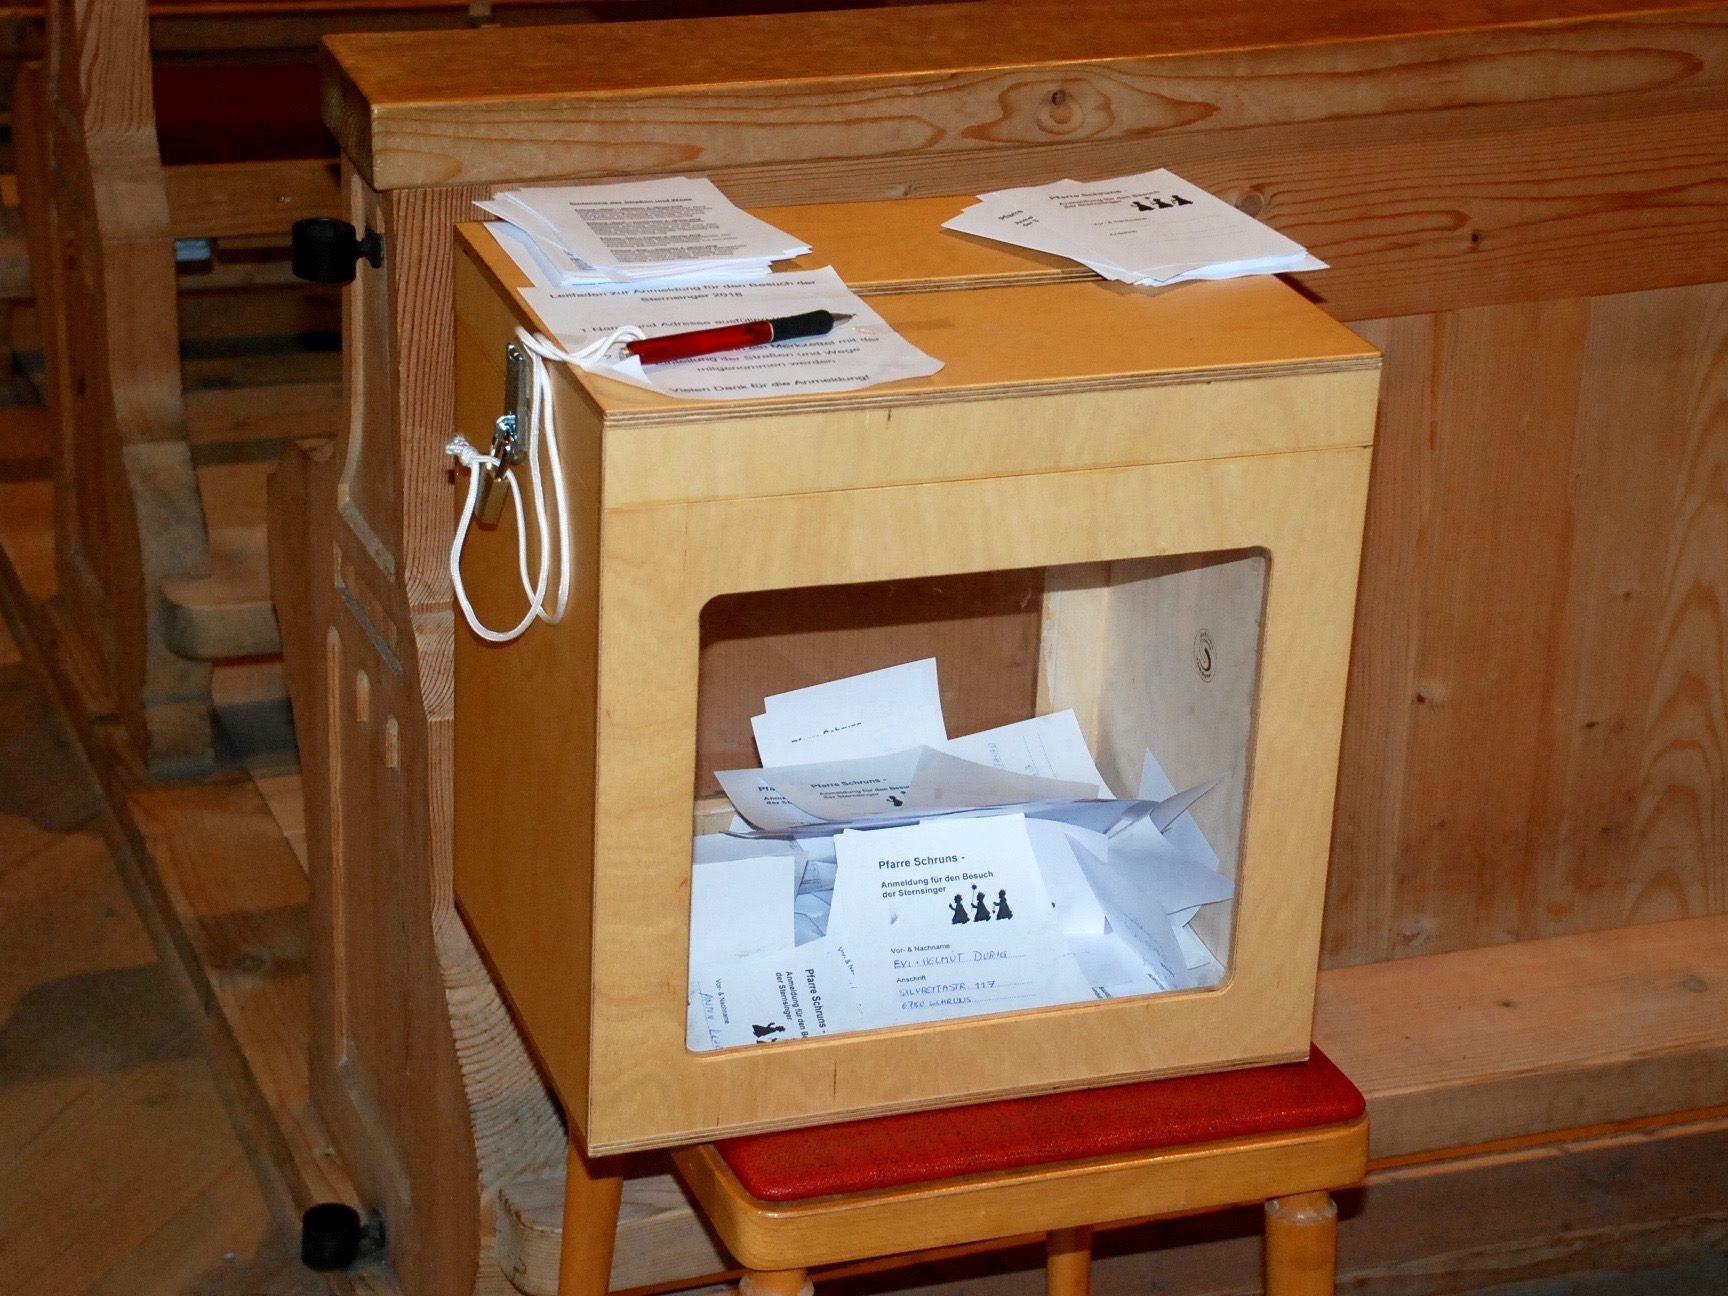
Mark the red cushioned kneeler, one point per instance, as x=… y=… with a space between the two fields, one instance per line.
x=920 y=1147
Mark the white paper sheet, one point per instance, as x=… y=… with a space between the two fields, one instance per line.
x=1138 y=917
x=872 y=714
x=885 y=791
x=791 y=995
x=644 y=229
x=740 y=908
x=1153 y=228
x=1113 y=969
x=519 y=245
x=818 y=863
x=796 y=796
x=548 y=265
x=1195 y=951
x=943 y=781
x=717 y=848
x=860 y=353
x=1047 y=746
x=1179 y=880
x=1078 y=912
x=809 y=917
x=950 y=919
x=1182 y=831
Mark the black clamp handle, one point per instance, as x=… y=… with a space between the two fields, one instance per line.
x=326 y=250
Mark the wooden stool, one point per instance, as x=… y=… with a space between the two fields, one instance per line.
x=1058 y=1165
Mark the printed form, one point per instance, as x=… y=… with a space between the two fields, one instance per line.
x=950 y=919
x=634 y=230
x=1151 y=229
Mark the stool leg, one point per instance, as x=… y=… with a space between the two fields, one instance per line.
x=1301 y=1245
x=1068 y=1262
x=590 y=1226
x=775 y=1282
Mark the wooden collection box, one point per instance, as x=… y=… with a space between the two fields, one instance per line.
x=1145 y=506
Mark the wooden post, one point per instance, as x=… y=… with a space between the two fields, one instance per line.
x=590 y=1225
x=128 y=514
x=775 y=1282
x=1068 y=1262
x=1301 y=1245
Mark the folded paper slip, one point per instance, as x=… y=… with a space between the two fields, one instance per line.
x=1149 y=229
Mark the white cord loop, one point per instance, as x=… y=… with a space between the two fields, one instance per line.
x=467 y=456
x=541 y=426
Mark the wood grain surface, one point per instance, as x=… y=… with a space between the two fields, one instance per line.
x=1543 y=585
x=1470 y=159
x=416 y=109
x=127 y=505
x=1005 y=1203
x=593 y=911
x=124 y=1174
x=421 y=1076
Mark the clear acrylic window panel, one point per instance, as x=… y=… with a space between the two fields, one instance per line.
x=1155 y=655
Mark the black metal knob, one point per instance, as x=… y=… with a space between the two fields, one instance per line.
x=330 y=1234
x=326 y=250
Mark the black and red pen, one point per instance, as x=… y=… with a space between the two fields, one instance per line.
x=733 y=337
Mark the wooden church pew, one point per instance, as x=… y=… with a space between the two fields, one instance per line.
x=215 y=135
x=150 y=592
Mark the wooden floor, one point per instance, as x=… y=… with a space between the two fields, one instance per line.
x=123 y=1173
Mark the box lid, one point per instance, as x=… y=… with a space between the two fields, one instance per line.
x=1004 y=322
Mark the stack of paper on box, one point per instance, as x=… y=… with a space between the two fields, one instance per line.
x=882 y=874
x=636 y=231
x=674 y=255
x=1149 y=229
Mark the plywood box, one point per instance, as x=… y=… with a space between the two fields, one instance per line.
x=1145 y=506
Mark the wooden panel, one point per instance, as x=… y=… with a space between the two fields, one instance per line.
x=1379 y=710
x=433 y=1104
x=1543 y=585
x=1187 y=633
x=1422 y=216
x=423 y=110
x=290 y=411
x=127 y=506
x=1416 y=212
x=1479 y=1045
x=370 y=502
x=1490 y=561
x=226 y=199
x=416 y=1064
x=1627 y=821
